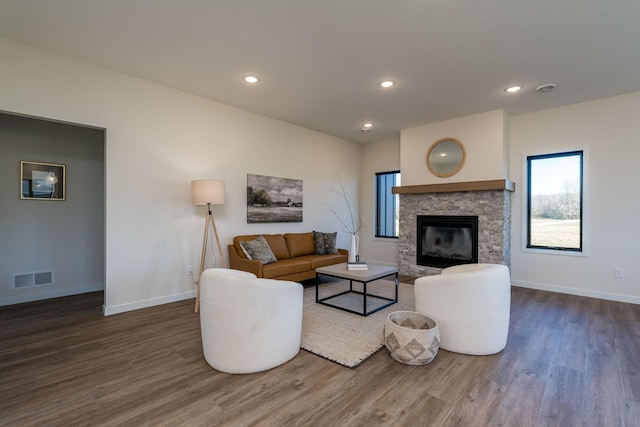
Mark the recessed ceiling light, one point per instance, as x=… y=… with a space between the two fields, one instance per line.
x=546 y=88
x=366 y=127
x=251 y=79
x=387 y=83
x=513 y=89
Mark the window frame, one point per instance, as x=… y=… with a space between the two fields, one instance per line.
x=377 y=208
x=526 y=214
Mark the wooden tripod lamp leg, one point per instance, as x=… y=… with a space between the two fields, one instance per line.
x=215 y=231
x=202 y=258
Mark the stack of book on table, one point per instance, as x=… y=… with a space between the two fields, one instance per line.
x=360 y=265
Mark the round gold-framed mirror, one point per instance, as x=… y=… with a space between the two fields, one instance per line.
x=446 y=157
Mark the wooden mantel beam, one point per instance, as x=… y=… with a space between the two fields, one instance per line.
x=496 y=184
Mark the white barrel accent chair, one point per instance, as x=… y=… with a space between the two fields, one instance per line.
x=248 y=324
x=471 y=304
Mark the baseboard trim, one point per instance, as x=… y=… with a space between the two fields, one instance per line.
x=55 y=293
x=579 y=292
x=136 y=305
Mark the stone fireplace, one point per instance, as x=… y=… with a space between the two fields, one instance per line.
x=489 y=201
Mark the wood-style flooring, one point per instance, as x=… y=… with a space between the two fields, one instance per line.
x=569 y=361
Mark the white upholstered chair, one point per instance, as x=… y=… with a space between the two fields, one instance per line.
x=248 y=324
x=471 y=304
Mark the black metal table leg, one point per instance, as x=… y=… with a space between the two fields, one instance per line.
x=364 y=312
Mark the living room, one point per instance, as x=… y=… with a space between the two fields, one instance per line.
x=157 y=139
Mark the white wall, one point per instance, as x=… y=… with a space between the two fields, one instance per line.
x=483 y=137
x=608 y=129
x=64 y=236
x=158 y=140
x=381 y=156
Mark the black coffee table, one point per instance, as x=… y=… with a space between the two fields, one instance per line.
x=374 y=272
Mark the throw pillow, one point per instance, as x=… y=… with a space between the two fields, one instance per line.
x=318 y=239
x=325 y=243
x=258 y=249
x=330 y=243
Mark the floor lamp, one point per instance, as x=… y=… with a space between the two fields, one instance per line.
x=207 y=192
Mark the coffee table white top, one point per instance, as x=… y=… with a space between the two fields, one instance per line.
x=373 y=272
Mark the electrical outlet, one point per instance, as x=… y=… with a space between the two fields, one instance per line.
x=618 y=272
x=189 y=270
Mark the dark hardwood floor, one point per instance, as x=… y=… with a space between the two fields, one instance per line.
x=569 y=361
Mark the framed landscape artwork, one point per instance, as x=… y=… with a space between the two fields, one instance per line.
x=42 y=181
x=271 y=199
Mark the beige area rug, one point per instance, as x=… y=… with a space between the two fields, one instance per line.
x=343 y=337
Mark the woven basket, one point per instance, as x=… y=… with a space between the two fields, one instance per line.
x=411 y=338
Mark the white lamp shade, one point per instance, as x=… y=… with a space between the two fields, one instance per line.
x=204 y=191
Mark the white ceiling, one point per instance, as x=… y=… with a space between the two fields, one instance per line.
x=320 y=61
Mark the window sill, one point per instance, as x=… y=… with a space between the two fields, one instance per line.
x=582 y=254
x=384 y=239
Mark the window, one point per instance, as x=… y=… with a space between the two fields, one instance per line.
x=554 y=201
x=387 y=204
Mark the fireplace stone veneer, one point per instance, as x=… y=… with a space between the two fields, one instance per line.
x=492 y=207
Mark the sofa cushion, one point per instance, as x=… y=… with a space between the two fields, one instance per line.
x=284 y=267
x=278 y=245
x=259 y=250
x=300 y=243
x=325 y=243
x=324 y=260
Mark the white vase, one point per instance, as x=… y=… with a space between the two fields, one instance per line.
x=353 y=250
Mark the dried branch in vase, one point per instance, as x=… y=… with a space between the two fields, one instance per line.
x=351 y=225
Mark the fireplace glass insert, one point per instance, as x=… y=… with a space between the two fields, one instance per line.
x=446 y=240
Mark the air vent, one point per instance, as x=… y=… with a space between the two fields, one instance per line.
x=43 y=278
x=33 y=279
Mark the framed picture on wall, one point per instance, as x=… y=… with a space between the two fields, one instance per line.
x=42 y=181
x=272 y=199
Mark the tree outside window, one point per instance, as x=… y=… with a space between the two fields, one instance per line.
x=555 y=201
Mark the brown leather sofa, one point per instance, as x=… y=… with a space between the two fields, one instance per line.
x=295 y=253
